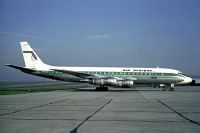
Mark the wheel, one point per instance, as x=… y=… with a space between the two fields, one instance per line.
x=171 y=89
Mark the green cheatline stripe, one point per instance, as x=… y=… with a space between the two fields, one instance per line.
x=117 y=73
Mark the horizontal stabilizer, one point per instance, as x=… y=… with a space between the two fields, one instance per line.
x=26 y=70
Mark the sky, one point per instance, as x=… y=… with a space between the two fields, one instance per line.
x=118 y=33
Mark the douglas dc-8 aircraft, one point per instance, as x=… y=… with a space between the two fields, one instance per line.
x=101 y=76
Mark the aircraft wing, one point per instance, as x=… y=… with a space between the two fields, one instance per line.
x=78 y=74
x=90 y=76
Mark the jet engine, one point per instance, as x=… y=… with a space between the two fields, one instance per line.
x=112 y=82
x=126 y=83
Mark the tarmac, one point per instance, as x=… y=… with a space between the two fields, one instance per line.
x=135 y=110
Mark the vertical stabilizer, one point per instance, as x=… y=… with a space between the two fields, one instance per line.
x=31 y=59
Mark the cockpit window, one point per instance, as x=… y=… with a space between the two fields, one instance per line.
x=182 y=75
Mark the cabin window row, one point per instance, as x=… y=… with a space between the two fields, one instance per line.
x=126 y=73
x=137 y=70
x=118 y=73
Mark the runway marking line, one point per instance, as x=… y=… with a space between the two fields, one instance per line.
x=178 y=113
x=75 y=130
x=42 y=105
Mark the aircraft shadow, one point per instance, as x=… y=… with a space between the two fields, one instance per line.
x=113 y=90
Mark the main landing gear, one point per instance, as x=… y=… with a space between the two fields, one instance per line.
x=169 y=87
x=102 y=88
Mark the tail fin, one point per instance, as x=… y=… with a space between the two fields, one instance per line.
x=31 y=59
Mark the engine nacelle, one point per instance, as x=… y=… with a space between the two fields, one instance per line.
x=126 y=83
x=104 y=82
x=113 y=82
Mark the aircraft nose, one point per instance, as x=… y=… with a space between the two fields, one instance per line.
x=188 y=80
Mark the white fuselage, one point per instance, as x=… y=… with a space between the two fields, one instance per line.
x=140 y=75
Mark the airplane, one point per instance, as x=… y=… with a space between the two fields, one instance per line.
x=102 y=77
